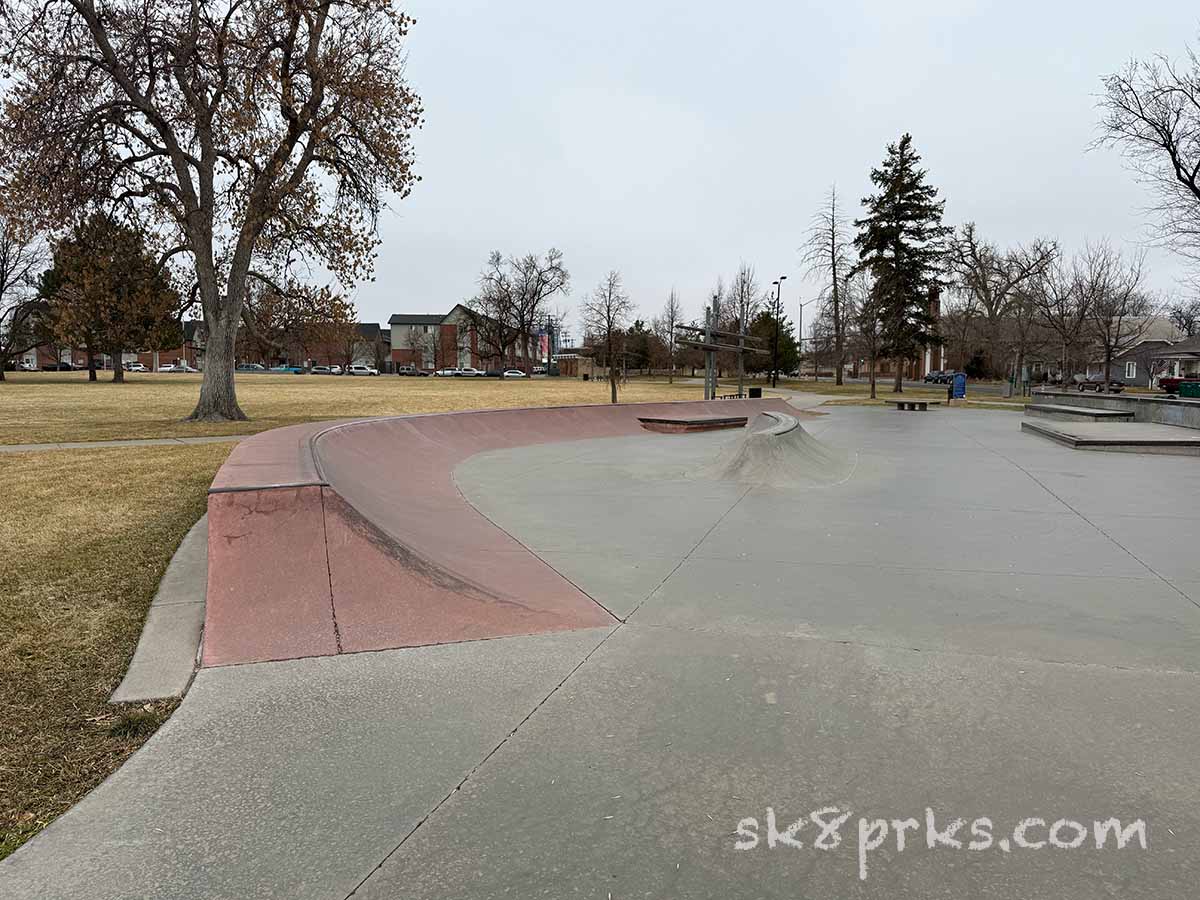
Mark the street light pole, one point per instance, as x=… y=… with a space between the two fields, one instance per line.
x=800 y=325
x=777 y=315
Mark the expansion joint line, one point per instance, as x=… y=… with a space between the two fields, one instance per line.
x=479 y=765
x=337 y=633
x=1020 y=468
x=688 y=555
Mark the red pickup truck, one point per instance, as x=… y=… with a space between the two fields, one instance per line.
x=1170 y=383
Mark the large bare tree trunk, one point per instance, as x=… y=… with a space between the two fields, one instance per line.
x=218 y=400
x=118 y=367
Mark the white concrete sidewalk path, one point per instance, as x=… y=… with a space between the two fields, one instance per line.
x=134 y=442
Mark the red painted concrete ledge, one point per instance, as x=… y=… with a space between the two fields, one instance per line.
x=342 y=537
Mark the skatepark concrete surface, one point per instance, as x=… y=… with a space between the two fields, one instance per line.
x=973 y=623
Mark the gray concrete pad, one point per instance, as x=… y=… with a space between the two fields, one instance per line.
x=618 y=583
x=1139 y=622
x=165 y=658
x=686 y=734
x=1166 y=544
x=293 y=779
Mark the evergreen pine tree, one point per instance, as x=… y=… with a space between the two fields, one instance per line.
x=901 y=242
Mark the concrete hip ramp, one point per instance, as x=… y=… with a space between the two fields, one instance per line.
x=775 y=450
x=344 y=537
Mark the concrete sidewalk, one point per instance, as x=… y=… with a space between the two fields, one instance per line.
x=133 y=442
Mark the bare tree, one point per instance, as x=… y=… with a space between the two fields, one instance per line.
x=992 y=278
x=605 y=316
x=743 y=296
x=1119 y=309
x=959 y=325
x=1024 y=328
x=277 y=324
x=827 y=254
x=1185 y=316
x=1062 y=306
x=663 y=326
x=22 y=258
x=258 y=135
x=1150 y=111
x=866 y=312
x=514 y=297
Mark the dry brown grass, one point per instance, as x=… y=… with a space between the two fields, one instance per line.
x=86 y=537
x=54 y=407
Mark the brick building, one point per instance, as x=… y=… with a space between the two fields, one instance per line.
x=191 y=352
x=432 y=341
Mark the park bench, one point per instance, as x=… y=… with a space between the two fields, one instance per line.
x=913 y=405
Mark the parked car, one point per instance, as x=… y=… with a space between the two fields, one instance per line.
x=447 y=373
x=358 y=369
x=26 y=367
x=470 y=372
x=1096 y=383
x=539 y=370
x=60 y=367
x=514 y=373
x=321 y=370
x=1171 y=383
x=406 y=369
x=177 y=367
x=251 y=367
x=494 y=373
x=932 y=377
x=287 y=370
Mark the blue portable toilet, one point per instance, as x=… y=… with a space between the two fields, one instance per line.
x=960 y=385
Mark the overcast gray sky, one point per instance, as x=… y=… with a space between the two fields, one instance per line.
x=671 y=140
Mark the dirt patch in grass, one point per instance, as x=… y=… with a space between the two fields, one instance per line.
x=86 y=537
x=54 y=407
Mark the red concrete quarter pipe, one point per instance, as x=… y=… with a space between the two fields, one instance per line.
x=343 y=537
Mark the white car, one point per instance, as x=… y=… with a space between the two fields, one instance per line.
x=447 y=373
x=362 y=370
x=134 y=367
x=27 y=367
x=178 y=367
x=513 y=373
x=470 y=372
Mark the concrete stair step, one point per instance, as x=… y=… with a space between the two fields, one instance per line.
x=1122 y=437
x=1076 y=413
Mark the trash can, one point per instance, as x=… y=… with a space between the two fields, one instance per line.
x=1189 y=389
x=755 y=393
